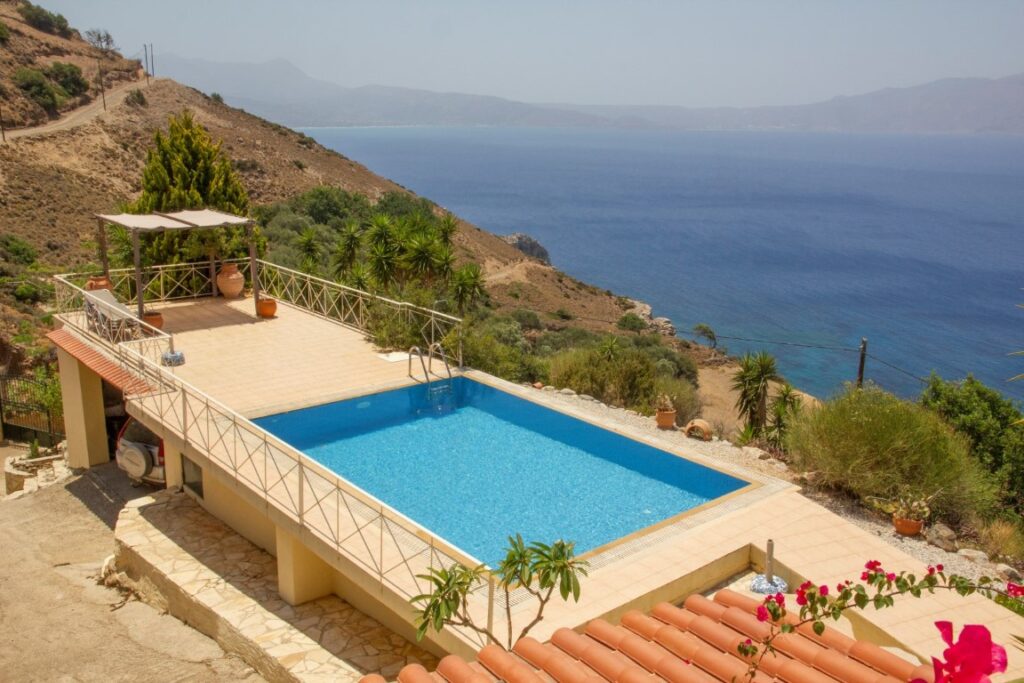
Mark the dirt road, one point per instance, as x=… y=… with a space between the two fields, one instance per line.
x=57 y=624
x=81 y=115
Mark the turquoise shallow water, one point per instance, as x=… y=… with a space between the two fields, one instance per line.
x=476 y=465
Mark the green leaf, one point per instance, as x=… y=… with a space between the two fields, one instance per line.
x=819 y=627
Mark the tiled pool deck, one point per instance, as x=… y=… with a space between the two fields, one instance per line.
x=298 y=359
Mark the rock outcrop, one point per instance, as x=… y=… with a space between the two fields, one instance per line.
x=660 y=325
x=529 y=246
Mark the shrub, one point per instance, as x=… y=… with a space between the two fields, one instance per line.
x=216 y=97
x=992 y=424
x=497 y=347
x=1001 y=538
x=621 y=377
x=135 y=98
x=100 y=39
x=5 y=33
x=27 y=293
x=68 y=77
x=528 y=320
x=562 y=314
x=704 y=331
x=37 y=88
x=16 y=250
x=48 y=22
x=631 y=322
x=299 y=164
x=683 y=396
x=871 y=443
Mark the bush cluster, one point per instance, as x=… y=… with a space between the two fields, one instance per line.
x=44 y=20
x=5 y=33
x=50 y=87
x=991 y=422
x=870 y=443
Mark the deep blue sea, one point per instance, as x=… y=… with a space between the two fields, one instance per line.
x=915 y=242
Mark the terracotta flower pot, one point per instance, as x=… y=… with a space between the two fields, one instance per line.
x=666 y=419
x=154 y=319
x=98 y=282
x=230 y=282
x=907 y=527
x=266 y=308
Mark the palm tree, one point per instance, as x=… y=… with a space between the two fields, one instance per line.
x=383 y=260
x=346 y=249
x=446 y=228
x=467 y=286
x=445 y=261
x=752 y=381
x=420 y=256
x=785 y=404
x=381 y=231
x=311 y=250
x=358 y=277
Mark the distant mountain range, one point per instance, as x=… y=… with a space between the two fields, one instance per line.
x=280 y=91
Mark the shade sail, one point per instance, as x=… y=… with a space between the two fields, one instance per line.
x=180 y=220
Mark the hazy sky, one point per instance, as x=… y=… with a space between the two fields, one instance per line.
x=701 y=53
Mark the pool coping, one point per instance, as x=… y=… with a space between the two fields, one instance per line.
x=756 y=485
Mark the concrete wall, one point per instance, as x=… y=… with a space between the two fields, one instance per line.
x=84 y=422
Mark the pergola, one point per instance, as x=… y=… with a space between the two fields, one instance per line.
x=195 y=219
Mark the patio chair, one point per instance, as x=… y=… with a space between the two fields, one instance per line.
x=108 y=317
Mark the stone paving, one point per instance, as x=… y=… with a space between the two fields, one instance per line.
x=179 y=557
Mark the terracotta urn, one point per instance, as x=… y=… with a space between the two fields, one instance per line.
x=98 y=282
x=666 y=419
x=907 y=527
x=230 y=282
x=153 y=319
x=266 y=308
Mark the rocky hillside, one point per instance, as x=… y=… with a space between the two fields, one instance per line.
x=55 y=177
x=27 y=49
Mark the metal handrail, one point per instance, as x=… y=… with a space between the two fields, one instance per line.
x=419 y=354
x=440 y=352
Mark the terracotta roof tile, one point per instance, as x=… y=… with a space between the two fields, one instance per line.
x=696 y=643
x=96 y=361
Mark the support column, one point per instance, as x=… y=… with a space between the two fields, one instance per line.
x=254 y=274
x=138 y=270
x=84 y=423
x=301 y=574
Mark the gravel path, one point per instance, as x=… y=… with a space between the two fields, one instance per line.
x=748 y=458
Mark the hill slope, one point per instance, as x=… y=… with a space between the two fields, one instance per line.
x=280 y=91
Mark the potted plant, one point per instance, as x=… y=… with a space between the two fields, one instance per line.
x=230 y=281
x=267 y=307
x=909 y=510
x=153 y=319
x=665 y=412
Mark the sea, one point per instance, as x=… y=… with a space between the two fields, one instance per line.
x=800 y=244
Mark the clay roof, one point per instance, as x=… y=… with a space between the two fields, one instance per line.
x=696 y=643
x=96 y=361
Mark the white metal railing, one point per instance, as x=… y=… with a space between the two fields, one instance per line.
x=112 y=325
x=385 y=543
x=350 y=307
x=356 y=308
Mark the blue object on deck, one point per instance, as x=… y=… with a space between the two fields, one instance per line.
x=474 y=465
x=172 y=358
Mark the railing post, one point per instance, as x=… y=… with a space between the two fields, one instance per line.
x=380 y=557
x=184 y=416
x=490 y=603
x=302 y=486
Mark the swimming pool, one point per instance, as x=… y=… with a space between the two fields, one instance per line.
x=475 y=464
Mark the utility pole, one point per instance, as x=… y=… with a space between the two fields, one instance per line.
x=145 y=58
x=3 y=133
x=151 y=67
x=863 y=357
x=103 y=90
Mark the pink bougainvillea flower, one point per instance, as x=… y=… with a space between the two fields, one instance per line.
x=1014 y=590
x=822 y=589
x=971 y=659
x=938 y=567
x=780 y=599
x=890 y=576
x=762 y=613
x=872 y=565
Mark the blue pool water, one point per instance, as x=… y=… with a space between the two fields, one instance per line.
x=475 y=465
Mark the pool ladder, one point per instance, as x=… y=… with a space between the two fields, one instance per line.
x=428 y=365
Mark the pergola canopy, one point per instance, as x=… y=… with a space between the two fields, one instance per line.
x=180 y=220
x=191 y=219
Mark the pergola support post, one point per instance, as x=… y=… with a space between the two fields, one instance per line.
x=253 y=269
x=137 y=258
x=101 y=239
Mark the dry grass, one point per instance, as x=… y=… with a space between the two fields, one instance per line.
x=1001 y=539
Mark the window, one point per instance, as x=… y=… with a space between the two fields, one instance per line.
x=192 y=475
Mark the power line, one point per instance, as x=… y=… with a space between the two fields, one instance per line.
x=897 y=368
